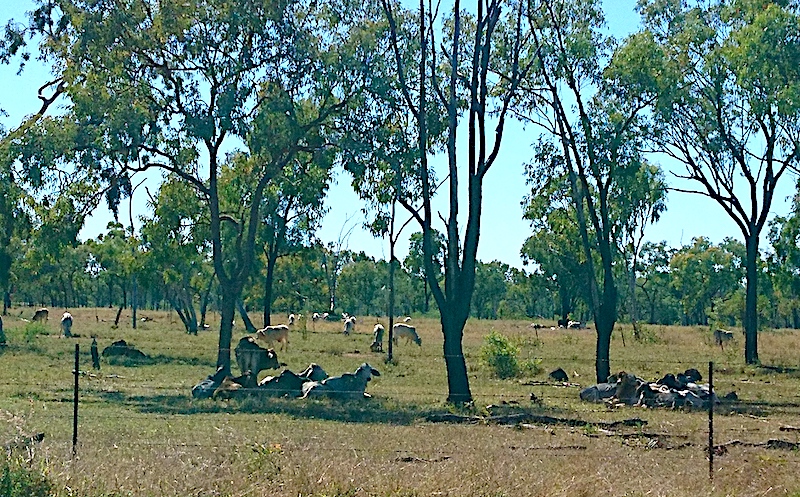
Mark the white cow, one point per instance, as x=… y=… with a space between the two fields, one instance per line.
x=66 y=324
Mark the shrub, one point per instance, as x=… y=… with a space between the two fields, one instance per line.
x=33 y=329
x=500 y=354
x=18 y=479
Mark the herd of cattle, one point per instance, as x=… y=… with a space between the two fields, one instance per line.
x=252 y=358
x=681 y=390
x=311 y=382
x=673 y=391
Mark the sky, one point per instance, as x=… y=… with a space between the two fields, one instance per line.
x=503 y=229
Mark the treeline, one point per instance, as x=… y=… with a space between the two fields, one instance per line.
x=701 y=283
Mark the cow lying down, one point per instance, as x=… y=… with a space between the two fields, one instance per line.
x=681 y=390
x=286 y=384
x=346 y=386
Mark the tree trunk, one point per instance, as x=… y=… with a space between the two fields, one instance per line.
x=457 y=378
x=6 y=301
x=751 y=302
x=268 y=291
x=604 y=320
x=134 y=296
x=227 y=310
x=204 y=302
x=248 y=325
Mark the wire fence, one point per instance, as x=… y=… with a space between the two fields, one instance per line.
x=529 y=403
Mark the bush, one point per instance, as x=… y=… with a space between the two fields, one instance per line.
x=500 y=354
x=33 y=329
x=18 y=479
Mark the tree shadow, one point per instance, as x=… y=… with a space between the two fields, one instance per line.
x=367 y=410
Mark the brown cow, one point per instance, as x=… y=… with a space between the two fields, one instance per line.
x=251 y=357
x=41 y=315
x=272 y=334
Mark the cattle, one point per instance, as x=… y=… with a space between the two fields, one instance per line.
x=721 y=336
x=407 y=319
x=377 y=338
x=559 y=375
x=349 y=325
x=120 y=348
x=562 y=323
x=206 y=388
x=402 y=330
x=272 y=334
x=627 y=387
x=598 y=392
x=286 y=384
x=292 y=319
x=576 y=325
x=66 y=324
x=231 y=387
x=41 y=315
x=349 y=386
x=251 y=357
x=313 y=372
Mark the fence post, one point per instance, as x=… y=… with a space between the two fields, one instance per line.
x=76 y=372
x=711 y=421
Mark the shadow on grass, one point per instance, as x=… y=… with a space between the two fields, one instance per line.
x=373 y=410
x=156 y=360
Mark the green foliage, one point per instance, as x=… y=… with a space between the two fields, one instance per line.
x=500 y=354
x=20 y=479
x=34 y=329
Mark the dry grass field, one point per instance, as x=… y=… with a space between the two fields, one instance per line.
x=142 y=434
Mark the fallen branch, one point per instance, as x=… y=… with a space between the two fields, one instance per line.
x=522 y=418
x=769 y=444
x=550 y=420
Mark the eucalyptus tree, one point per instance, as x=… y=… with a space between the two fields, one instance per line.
x=472 y=75
x=593 y=136
x=653 y=279
x=554 y=248
x=785 y=262
x=176 y=84
x=15 y=226
x=414 y=263
x=294 y=206
x=703 y=274
x=176 y=239
x=723 y=77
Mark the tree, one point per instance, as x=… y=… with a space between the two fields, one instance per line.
x=554 y=247
x=704 y=274
x=176 y=238
x=723 y=78
x=177 y=86
x=653 y=278
x=293 y=209
x=785 y=261
x=460 y=74
x=592 y=137
x=414 y=263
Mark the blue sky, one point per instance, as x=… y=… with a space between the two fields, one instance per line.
x=503 y=230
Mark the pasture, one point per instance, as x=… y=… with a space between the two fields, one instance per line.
x=142 y=434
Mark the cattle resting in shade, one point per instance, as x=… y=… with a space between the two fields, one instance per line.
x=349 y=386
x=253 y=358
x=681 y=390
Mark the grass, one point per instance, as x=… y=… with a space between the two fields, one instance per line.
x=141 y=433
